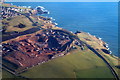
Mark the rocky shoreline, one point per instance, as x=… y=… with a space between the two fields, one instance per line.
x=28 y=46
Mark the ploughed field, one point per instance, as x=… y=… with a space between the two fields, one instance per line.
x=33 y=49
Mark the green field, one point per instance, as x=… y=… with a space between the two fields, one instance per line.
x=78 y=64
x=6 y=74
x=15 y=21
x=95 y=43
x=98 y=72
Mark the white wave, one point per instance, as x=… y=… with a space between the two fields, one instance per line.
x=99 y=38
x=110 y=52
x=29 y=6
x=56 y=23
x=94 y=35
x=108 y=48
x=48 y=12
x=89 y=33
x=41 y=7
x=51 y=18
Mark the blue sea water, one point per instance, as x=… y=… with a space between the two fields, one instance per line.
x=97 y=18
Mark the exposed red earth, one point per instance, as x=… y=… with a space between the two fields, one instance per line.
x=33 y=49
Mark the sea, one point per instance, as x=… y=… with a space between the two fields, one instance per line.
x=97 y=18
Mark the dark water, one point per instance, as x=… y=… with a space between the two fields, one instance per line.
x=100 y=19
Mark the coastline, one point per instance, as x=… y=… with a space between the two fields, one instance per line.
x=55 y=24
x=50 y=25
x=103 y=42
x=111 y=48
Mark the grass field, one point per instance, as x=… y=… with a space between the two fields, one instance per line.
x=78 y=64
x=98 y=72
x=17 y=20
x=96 y=43
x=6 y=74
